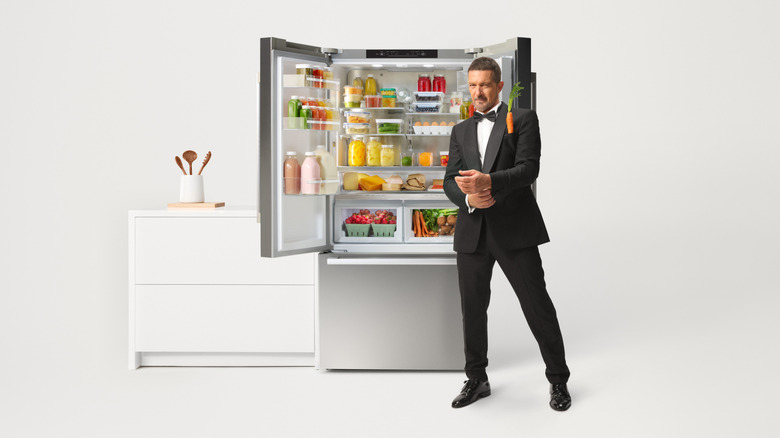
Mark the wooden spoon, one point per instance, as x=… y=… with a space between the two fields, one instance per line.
x=205 y=161
x=181 y=166
x=189 y=157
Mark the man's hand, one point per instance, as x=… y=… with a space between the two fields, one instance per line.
x=482 y=199
x=473 y=182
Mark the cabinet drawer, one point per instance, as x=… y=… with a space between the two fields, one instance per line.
x=202 y=250
x=236 y=318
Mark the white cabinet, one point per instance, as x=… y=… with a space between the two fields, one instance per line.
x=200 y=294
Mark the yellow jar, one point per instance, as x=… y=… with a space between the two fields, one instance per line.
x=388 y=155
x=374 y=151
x=357 y=152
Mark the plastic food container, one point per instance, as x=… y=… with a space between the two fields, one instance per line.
x=383 y=230
x=426 y=107
x=353 y=98
x=357 y=230
x=388 y=101
x=389 y=126
x=373 y=101
x=387 y=91
x=428 y=96
x=357 y=116
x=444 y=157
x=356 y=128
x=349 y=89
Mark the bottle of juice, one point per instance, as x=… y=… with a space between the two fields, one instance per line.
x=305 y=115
x=292 y=174
x=328 y=170
x=356 y=153
x=374 y=151
x=310 y=171
x=388 y=155
x=293 y=112
x=371 y=87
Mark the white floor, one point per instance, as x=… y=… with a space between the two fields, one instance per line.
x=640 y=368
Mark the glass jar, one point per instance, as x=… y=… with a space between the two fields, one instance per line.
x=444 y=157
x=356 y=152
x=374 y=151
x=439 y=84
x=370 y=88
x=423 y=82
x=303 y=69
x=407 y=159
x=464 y=109
x=426 y=158
x=388 y=155
x=317 y=73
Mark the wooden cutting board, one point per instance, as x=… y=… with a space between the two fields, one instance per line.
x=196 y=204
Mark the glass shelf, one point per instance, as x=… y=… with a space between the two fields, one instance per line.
x=385 y=169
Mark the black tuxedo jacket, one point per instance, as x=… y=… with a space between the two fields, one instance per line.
x=512 y=160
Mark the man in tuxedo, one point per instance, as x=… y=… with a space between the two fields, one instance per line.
x=489 y=177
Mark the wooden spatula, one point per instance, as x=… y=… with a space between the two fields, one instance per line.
x=205 y=161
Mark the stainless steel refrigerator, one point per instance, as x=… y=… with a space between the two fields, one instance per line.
x=384 y=299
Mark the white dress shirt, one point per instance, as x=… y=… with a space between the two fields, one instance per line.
x=484 y=128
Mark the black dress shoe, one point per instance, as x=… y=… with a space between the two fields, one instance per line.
x=560 y=400
x=473 y=390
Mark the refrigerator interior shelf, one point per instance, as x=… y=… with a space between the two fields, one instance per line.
x=434 y=114
x=369 y=169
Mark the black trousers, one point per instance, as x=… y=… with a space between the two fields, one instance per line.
x=523 y=269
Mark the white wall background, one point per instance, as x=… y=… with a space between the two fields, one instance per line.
x=659 y=177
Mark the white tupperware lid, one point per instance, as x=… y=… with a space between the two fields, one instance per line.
x=444 y=152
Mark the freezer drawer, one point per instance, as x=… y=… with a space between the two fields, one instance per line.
x=389 y=313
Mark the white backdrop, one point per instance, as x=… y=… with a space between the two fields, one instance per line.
x=659 y=179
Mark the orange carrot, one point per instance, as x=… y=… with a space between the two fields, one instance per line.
x=517 y=90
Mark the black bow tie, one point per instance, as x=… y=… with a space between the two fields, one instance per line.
x=490 y=116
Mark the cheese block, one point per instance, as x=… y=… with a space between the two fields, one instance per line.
x=391 y=187
x=352 y=180
x=438 y=182
x=372 y=183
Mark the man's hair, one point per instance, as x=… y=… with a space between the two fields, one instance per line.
x=486 y=63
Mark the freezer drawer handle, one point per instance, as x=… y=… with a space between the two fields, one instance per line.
x=392 y=261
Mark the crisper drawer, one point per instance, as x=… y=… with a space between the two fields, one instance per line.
x=415 y=233
x=203 y=250
x=359 y=232
x=222 y=318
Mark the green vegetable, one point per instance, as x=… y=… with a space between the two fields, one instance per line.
x=517 y=91
x=430 y=216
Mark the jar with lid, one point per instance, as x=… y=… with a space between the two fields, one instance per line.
x=356 y=152
x=388 y=155
x=370 y=88
x=439 y=84
x=357 y=82
x=292 y=174
x=464 y=109
x=317 y=74
x=374 y=151
x=303 y=69
x=310 y=172
x=423 y=82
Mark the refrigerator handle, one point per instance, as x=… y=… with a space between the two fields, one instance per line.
x=394 y=261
